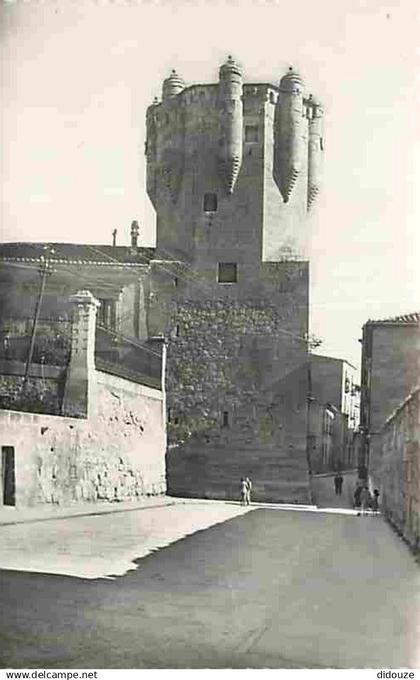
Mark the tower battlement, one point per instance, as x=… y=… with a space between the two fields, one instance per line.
x=232 y=139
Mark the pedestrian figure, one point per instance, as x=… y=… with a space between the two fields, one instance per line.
x=338 y=483
x=375 y=501
x=244 y=491
x=249 y=490
x=356 y=496
x=365 y=500
x=6 y=346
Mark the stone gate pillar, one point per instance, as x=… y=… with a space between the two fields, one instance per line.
x=81 y=369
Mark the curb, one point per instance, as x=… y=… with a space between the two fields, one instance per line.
x=90 y=513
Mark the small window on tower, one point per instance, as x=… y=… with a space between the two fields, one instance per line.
x=225 y=419
x=251 y=133
x=210 y=203
x=228 y=272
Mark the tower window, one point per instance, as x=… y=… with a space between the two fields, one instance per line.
x=228 y=272
x=225 y=421
x=210 y=203
x=251 y=133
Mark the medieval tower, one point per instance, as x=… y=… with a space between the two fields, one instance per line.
x=232 y=170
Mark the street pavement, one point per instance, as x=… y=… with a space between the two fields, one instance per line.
x=242 y=588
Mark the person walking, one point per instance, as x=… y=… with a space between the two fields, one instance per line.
x=375 y=502
x=249 y=490
x=356 y=496
x=244 y=491
x=365 y=500
x=338 y=483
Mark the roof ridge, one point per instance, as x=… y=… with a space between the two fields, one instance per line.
x=411 y=317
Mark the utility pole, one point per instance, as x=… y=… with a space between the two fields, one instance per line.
x=44 y=271
x=311 y=343
x=309 y=437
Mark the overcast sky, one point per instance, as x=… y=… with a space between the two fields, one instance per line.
x=77 y=77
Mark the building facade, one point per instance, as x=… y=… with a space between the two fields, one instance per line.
x=390 y=372
x=395 y=471
x=334 y=414
x=232 y=170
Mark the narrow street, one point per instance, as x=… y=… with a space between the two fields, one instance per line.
x=324 y=492
x=259 y=588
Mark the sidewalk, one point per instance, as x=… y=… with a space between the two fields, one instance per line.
x=11 y=515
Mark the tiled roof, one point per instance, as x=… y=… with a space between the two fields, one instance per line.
x=413 y=318
x=75 y=253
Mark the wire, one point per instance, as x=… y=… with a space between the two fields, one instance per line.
x=129 y=340
x=195 y=278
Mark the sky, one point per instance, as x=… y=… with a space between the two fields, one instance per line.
x=78 y=75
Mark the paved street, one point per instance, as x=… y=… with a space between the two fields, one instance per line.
x=264 y=588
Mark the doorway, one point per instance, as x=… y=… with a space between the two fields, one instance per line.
x=8 y=479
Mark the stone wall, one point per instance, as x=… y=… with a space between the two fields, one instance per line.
x=395 y=469
x=395 y=369
x=232 y=351
x=117 y=453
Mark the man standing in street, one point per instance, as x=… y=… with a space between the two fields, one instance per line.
x=365 y=500
x=249 y=490
x=244 y=492
x=338 y=483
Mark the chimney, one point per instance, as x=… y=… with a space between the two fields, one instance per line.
x=114 y=238
x=134 y=234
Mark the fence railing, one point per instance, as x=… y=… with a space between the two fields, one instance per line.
x=136 y=360
x=52 y=342
x=132 y=359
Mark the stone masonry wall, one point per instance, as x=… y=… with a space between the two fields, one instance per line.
x=395 y=369
x=265 y=439
x=234 y=409
x=116 y=454
x=395 y=469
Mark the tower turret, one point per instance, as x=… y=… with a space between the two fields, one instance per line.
x=172 y=86
x=230 y=136
x=315 y=149
x=290 y=133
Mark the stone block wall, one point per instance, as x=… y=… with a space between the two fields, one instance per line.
x=395 y=469
x=264 y=438
x=117 y=453
x=237 y=402
x=395 y=369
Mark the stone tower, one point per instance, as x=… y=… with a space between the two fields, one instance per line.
x=232 y=170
